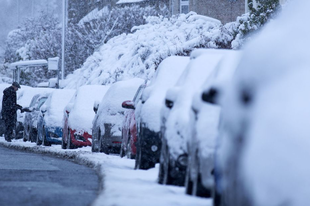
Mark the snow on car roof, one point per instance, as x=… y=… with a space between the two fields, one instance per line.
x=118 y=92
x=55 y=105
x=166 y=76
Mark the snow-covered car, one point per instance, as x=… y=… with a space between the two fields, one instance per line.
x=49 y=123
x=30 y=121
x=263 y=150
x=175 y=115
x=148 y=110
x=204 y=123
x=78 y=116
x=129 y=128
x=107 y=124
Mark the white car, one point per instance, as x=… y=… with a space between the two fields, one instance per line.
x=204 y=127
x=175 y=115
x=107 y=123
x=263 y=152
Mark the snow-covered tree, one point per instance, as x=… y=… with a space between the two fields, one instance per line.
x=252 y=21
x=137 y=54
x=98 y=27
x=37 y=38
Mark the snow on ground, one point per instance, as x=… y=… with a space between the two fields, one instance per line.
x=122 y=185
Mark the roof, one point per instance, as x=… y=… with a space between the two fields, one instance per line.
x=129 y=1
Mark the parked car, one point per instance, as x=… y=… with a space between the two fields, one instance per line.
x=148 y=110
x=204 y=123
x=129 y=128
x=263 y=150
x=24 y=97
x=49 y=124
x=78 y=116
x=31 y=118
x=175 y=115
x=107 y=123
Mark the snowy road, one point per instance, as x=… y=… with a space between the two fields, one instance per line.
x=123 y=186
x=35 y=179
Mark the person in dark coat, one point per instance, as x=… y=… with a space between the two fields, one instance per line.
x=9 y=108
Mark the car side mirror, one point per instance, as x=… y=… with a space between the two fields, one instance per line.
x=128 y=104
x=43 y=109
x=96 y=106
x=169 y=103
x=210 y=96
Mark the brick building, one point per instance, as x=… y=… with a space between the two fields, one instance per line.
x=223 y=10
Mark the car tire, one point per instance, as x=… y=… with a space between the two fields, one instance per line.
x=69 y=143
x=188 y=182
x=44 y=140
x=38 y=141
x=95 y=147
x=25 y=138
x=33 y=135
x=128 y=148
x=63 y=143
x=198 y=188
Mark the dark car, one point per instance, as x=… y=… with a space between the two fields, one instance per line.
x=129 y=128
x=148 y=110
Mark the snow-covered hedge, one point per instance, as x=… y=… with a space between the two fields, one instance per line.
x=138 y=54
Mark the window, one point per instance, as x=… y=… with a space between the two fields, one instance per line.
x=184 y=6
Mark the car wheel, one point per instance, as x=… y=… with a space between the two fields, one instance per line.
x=103 y=147
x=25 y=138
x=143 y=161
x=161 y=173
x=95 y=144
x=69 y=143
x=63 y=143
x=38 y=141
x=33 y=135
x=198 y=188
x=44 y=140
x=128 y=148
x=188 y=182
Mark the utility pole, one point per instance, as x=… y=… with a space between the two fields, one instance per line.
x=64 y=24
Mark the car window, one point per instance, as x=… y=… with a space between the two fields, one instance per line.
x=41 y=102
x=34 y=100
x=138 y=93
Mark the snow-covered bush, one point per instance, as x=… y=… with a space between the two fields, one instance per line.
x=252 y=21
x=98 y=27
x=139 y=53
x=37 y=38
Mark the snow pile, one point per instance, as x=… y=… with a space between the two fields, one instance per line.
x=139 y=53
x=122 y=185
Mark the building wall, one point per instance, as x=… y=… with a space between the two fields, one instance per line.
x=223 y=10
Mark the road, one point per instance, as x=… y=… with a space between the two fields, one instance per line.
x=34 y=179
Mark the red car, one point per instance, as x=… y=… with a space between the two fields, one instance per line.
x=78 y=116
x=129 y=129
